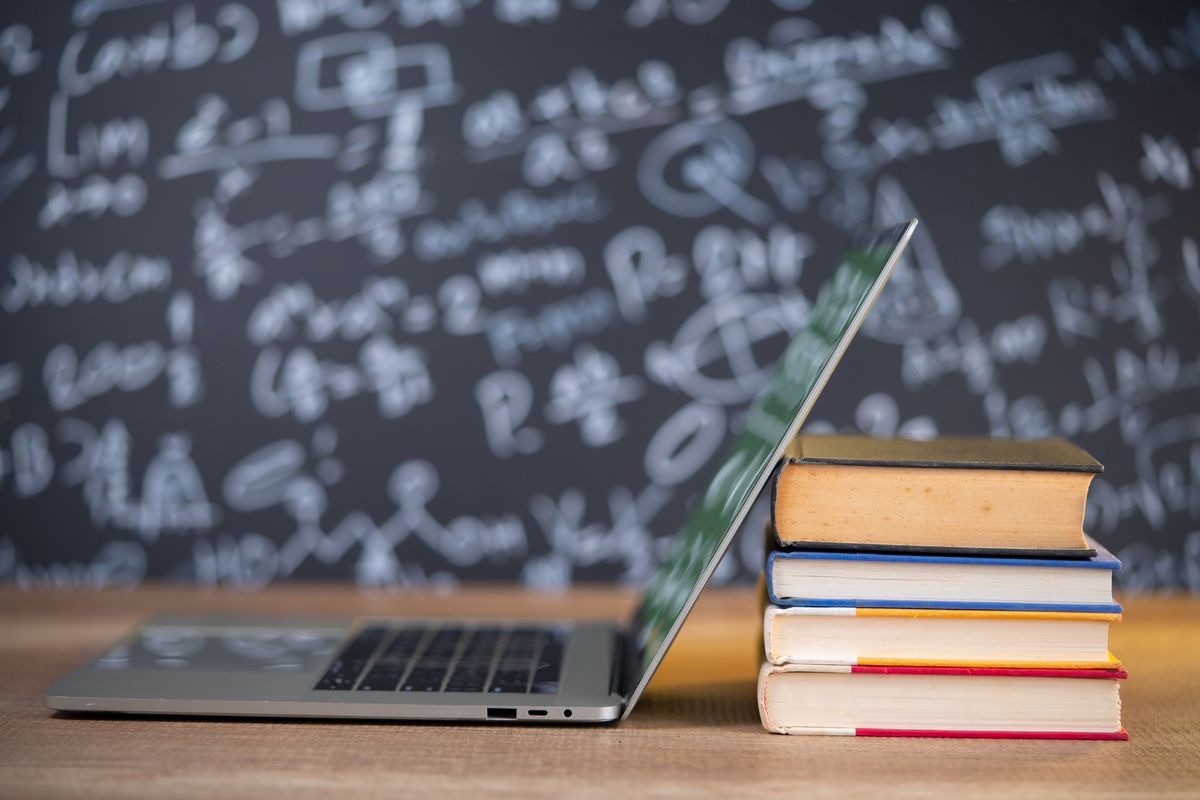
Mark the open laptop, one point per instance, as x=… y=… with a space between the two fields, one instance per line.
x=550 y=671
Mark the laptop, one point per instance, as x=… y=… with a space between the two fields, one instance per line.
x=527 y=671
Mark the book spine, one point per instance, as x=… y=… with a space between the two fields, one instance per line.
x=776 y=474
x=764 y=714
x=1070 y=553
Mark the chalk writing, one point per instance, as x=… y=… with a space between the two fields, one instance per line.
x=416 y=292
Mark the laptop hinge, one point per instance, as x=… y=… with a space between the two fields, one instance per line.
x=625 y=666
x=620 y=665
x=615 y=685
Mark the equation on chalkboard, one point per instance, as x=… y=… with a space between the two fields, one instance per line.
x=415 y=292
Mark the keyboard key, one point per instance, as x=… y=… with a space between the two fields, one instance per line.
x=509 y=681
x=443 y=644
x=467 y=679
x=380 y=682
x=470 y=671
x=424 y=680
x=336 y=681
x=390 y=663
x=473 y=687
x=546 y=674
x=519 y=649
x=343 y=673
x=405 y=643
x=365 y=642
x=483 y=644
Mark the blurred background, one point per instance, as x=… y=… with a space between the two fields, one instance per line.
x=411 y=292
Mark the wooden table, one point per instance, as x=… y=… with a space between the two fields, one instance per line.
x=696 y=733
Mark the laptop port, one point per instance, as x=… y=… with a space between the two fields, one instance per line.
x=538 y=712
x=501 y=713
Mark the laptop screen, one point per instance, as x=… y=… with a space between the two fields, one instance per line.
x=772 y=420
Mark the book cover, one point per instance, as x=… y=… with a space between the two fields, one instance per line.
x=1101 y=559
x=947 y=452
x=1077 y=554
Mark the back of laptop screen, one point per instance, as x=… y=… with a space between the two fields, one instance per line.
x=774 y=417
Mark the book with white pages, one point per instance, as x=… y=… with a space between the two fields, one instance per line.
x=938 y=637
x=851 y=579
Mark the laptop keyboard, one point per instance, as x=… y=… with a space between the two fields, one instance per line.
x=389 y=658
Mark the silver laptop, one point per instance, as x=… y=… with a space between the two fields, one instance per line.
x=546 y=671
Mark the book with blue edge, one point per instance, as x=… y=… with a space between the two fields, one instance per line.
x=855 y=579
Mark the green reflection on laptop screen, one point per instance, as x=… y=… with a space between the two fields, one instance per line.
x=797 y=378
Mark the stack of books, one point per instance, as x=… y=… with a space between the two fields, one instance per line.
x=940 y=588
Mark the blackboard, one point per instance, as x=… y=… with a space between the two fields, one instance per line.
x=413 y=292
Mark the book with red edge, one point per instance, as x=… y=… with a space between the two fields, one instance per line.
x=972 y=702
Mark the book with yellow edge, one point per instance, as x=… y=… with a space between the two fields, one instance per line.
x=938 y=637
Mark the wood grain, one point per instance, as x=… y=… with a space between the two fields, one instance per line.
x=696 y=733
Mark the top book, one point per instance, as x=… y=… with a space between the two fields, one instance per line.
x=972 y=495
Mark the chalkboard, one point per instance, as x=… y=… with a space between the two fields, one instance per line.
x=415 y=292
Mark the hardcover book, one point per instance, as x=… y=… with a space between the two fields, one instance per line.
x=880 y=580
x=951 y=494
x=938 y=637
x=941 y=701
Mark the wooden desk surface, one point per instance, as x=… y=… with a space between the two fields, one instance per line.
x=696 y=733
